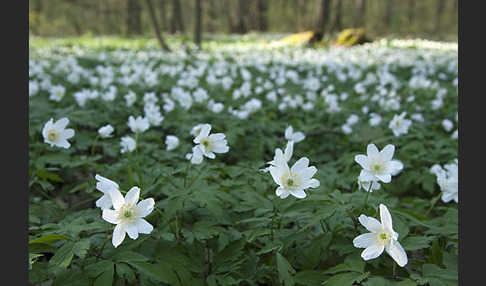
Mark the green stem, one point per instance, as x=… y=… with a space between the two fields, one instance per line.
x=367 y=195
x=94 y=144
x=137 y=166
x=394 y=269
x=187 y=172
x=103 y=246
x=435 y=200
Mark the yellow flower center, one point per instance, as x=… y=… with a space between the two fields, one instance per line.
x=127 y=213
x=207 y=144
x=53 y=135
x=291 y=180
x=383 y=238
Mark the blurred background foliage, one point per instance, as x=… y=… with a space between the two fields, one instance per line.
x=429 y=19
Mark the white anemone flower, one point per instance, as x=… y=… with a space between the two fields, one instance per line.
x=128 y=215
x=128 y=144
x=55 y=134
x=196 y=156
x=105 y=186
x=290 y=135
x=106 y=131
x=139 y=124
x=399 y=125
x=448 y=180
x=381 y=237
x=378 y=165
x=210 y=144
x=293 y=181
x=172 y=142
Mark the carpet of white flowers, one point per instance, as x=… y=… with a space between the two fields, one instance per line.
x=243 y=164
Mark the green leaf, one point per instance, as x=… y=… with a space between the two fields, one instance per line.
x=81 y=248
x=62 y=258
x=285 y=270
x=106 y=278
x=411 y=243
x=49 y=238
x=345 y=279
x=309 y=277
x=124 y=271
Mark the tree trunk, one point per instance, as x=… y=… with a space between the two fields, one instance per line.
x=338 y=25
x=134 y=21
x=262 y=15
x=155 y=26
x=241 y=26
x=359 y=14
x=229 y=17
x=197 y=30
x=163 y=14
x=177 y=23
x=440 y=10
x=411 y=11
x=323 y=20
x=387 y=14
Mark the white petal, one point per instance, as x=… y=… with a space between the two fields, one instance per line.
x=143 y=226
x=145 y=207
x=210 y=155
x=395 y=166
x=110 y=216
x=105 y=184
x=362 y=160
x=385 y=178
x=364 y=240
x=313 y=183
x=63 y=144
x=132 y=196
x=289 y=150
x=132 y=231
x=104 y=202
x=386 y=219
x=370 y=223
x=299 y=193
x=396 y=251
x=366 y=176
x=284 y=194
x=371 y=150
x=67 y=133
x=307 y=173
x=300 y=165
x=61 y=123
x=372 y=251
x=387 y=152
x=288 y=133
x=298 y=136
x=216 y=136
x=118 y=235
x=116 y=198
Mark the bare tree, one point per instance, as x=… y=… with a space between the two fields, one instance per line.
x=323 y=19
x=163 y=13
x=387 y=14
x=262 y=17
x=411 y=11
x=197 y=30
x=338 y=25
x=134 y=21
x=438 y=15
x=359 y=13
x=176 y=22
x=242 y=9
x=155 y=26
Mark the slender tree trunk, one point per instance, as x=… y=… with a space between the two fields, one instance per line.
x=262 y=15
x=387 y=14
x=177 y=23
x=163 y=14
x=411 y=11
x=197 y=28
x=359 y=14
x=134 y=21
x=323 y=20
x=155 y=26
x=229 y=17
x=440 y=10
x=338 y=25
x=242 y=7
